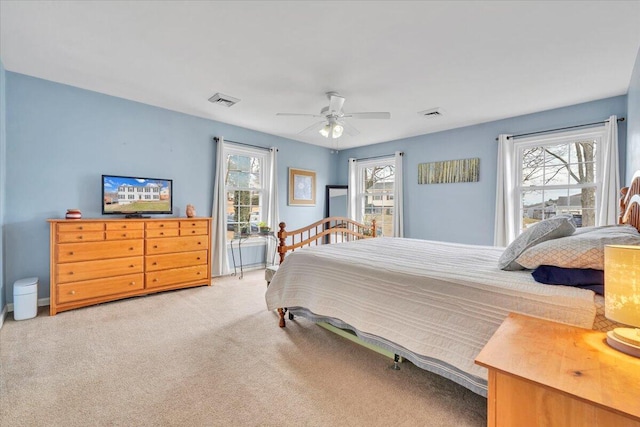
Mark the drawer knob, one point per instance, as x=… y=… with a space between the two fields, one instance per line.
x=155 y=280
x=199 y=243
x=80 y=228
x=198 y=258
x=193 y=231
x=71 y=273
x=155 y=263
x=161 y=225
x=72 y=292
x=130 y=249
x=80 y=237
x=132 y=283
x=124 y=234
x=124 y=226
x=198 y=273
x=162 y=233
x=155 y=246
x=70 y=253
x=131 y=266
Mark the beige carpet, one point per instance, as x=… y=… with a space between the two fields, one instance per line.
x=209 y=356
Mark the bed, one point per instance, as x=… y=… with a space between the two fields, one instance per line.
x=435 y=304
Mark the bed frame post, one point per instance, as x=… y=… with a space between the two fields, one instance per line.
x=282 y=323
x=282 y=241
x=373 y=228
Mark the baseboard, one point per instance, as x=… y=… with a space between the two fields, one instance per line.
x=41 y=303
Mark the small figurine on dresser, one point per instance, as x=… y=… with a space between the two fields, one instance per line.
x=191 y=211
x=73 y=214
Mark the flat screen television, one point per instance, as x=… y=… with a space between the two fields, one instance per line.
x=136 y=197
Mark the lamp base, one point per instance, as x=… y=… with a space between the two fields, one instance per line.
x=622 y=340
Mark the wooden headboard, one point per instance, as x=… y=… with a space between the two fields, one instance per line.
x=630 y=203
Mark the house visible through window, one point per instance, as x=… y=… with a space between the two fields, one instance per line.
x=245 y=190
x=557 y=174
x=375 y=187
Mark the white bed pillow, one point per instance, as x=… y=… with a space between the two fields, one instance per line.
x=552 y=228
x=581 y=250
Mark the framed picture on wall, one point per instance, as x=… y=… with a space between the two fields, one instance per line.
x=302 y=187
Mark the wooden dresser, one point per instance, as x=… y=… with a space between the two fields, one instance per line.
x=98 y=260
x=543 y=373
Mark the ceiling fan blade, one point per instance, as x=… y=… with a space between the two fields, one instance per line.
x=299 y=114
x=378 y=115
x=336 y=103
x=349 y=129
x=314 y=127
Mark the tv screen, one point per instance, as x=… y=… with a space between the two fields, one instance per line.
x=136 y=196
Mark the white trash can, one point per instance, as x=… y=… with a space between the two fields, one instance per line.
x=25 y=298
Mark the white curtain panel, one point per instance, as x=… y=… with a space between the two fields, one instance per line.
x=273 y=216
x=352 y=189
x=219 y=257
x=398 y=211
x=607 y=198
x=506 y=217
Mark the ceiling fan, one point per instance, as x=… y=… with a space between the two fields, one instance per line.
x=333 y=124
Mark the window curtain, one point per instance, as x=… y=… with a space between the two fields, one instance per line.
x=609 y=176
x=273 y=216
x=219 y=257
x=352 y=190
x=398 y=209
x=505 y=221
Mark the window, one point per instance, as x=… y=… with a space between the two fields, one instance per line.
x=245 y=189
x=557 y=174
x=374 y=193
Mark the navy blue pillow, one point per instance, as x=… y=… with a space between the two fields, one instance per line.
x=585 y=278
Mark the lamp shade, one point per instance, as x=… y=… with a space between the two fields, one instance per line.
x=622 y=284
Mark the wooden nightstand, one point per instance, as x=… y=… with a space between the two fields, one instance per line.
x=543 y=373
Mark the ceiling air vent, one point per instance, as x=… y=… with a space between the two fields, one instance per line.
x=225 y=100
x=432 y=113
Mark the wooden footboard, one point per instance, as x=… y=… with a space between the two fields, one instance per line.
x=334 y=229
x=328 y=230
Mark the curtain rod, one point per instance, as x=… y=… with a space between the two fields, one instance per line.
x=621 y=119
x=217 y=139
x=379 y=157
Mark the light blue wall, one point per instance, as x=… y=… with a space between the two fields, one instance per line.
x=633 y=125
x=3 y=170
x=465 y=212
x=60 y=139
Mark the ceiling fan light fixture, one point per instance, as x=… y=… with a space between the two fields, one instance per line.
x=325 y=130
x=337 y=130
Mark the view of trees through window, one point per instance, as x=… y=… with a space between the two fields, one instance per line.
x=559 y=179
x=244 y=188
x=378 y=196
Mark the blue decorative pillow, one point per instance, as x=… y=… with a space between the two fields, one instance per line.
x=585 y=278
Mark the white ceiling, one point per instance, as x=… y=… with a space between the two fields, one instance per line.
x=478 y=60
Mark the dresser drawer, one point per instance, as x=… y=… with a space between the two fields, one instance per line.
x=180 y=259
x=176 y=244
x=75 y=291
x=157 y=279
x=72 y=252
x=193 y=231
x=160 y=232
x=86 y=270
x=153 y=225
x=118 y=225
x=194 y=223
x=81 y=236
x=80 y=226
x=124 y=234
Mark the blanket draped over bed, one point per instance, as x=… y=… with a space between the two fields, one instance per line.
x=448 y=298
